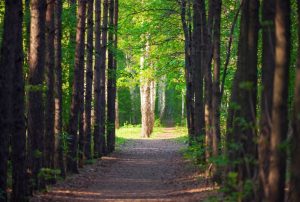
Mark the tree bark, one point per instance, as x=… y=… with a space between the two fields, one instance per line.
x=77 y=89
x=7 y=66
x=111 y=80
x=89 y=80
x=241 y=130
x=19 y=175
x=268 y=63
x=188 y=66
x=49 y=67
x=295 y=161
x=59 y=158
x=197 y=52
x=35 y=95
x=276 y=179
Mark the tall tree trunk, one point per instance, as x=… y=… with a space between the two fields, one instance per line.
x=49 y=67
x=277 y=168
x=145 y=107
x=36 y=79
x=102 y=117
x=295 y=161
x=216 y=99
x=59 y=159
x=117 y=121
x=111 y=88
x=77 y=89
x=99 y=78
x=162 y=97
x=188 y=66
x=241 y=129
x=89 y=79
x=197 y=51
x=268 y=63
x=152 y=102
x=7 y=66
x=19 y=175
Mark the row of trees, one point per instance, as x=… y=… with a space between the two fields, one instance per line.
x=37 y=136
x=256 y=137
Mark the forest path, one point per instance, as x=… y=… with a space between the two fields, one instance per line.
x=141 y=170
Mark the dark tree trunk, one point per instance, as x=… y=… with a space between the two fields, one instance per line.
x=100 y=96
x=97 y=80
x=216 y=99
x=35 y=95
x=268 y=64
x=77 y=89
x=111 y=80
x=59 y=161
x=19 y=176
x=188 y=67
x=7 y=66
x=49 y=107
x=241 y=130
x=89 y=80
x=197 y=51
x=277 y=168
x=295 y=160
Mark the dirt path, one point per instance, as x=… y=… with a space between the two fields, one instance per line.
x=142 y=170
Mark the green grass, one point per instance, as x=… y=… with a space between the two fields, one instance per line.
x=134 y=132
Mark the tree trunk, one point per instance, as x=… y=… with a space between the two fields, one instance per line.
x=59 y=161
x=216 y=99
x=49 y=67
x=197 y=58
x=162 y=97
x=185 y=8
x=111 y=81
x=276 y=179
x=100 y=97
x=268 y=64
x=35 y=95
x=241 y=122
x=19 y=175
x=145 y=108
x=295 y=161
x=77 y=89
x=89 y=79
x=7 y=66
x=153 y=99
x=117 y=121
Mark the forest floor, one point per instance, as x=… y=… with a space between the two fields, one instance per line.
x=140 y=170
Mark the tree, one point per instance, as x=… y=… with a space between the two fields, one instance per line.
x=77 y=95
x=35 y=81
x=197 y=57
x=186 y=24
x=276 y=178
x=268 y=64
x=242 y=112
x=18 y=134
x=295 y=164
x=89 y=79
x=7 y=66
x=58 y=123
x=111 y=80
x=49 y=106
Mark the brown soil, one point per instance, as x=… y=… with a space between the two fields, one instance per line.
x=141 y=170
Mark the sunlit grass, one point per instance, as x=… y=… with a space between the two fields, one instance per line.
x=134 y=132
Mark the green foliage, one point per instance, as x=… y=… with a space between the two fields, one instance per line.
x=48 y=174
